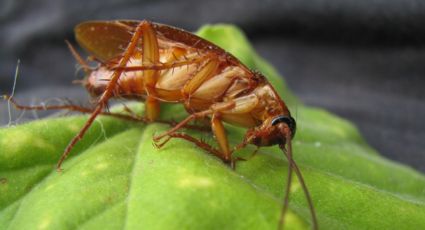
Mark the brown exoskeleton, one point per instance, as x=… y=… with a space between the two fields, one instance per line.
x=159 y=63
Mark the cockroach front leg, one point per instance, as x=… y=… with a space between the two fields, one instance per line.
x=203 y=145
x=200 y=143
x=218 y=130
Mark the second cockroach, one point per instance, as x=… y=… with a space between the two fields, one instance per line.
x=157 y=63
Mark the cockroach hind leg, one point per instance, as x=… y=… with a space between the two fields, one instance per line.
x=69 y=107
x=103 y=100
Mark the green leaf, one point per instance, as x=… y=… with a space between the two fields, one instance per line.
x=116 y=179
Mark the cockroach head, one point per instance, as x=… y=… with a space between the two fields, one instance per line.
x=273 y=131
x=288 y=120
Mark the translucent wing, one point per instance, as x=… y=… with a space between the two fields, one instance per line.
x=107 y=39
x=103 y=39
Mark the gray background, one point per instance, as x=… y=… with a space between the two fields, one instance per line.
x=363 y=60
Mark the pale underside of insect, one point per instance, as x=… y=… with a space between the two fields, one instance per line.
x=157 y=63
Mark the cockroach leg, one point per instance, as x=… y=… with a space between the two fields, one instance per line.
x=201 y=144
x=183 y=123
x=141 y=28
x=217 y=128
x=75 y=108
x=81 y=109
x=221 y=137
x=152 y=108
x=172 y=123
x=194 y=116
x=200 y=77
x=150 y=57
x=47 y=107
x=202 y=125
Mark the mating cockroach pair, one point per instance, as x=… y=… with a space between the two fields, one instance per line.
x=158 y=63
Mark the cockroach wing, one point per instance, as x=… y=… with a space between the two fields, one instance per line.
x=108 y=39
x=103 y=39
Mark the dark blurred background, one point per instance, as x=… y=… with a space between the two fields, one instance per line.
x=363 y=60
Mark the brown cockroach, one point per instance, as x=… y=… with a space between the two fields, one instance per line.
x=157 y=63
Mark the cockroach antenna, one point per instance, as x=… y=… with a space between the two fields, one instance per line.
x=285 y=204
x=84 y=65
x=292 y=166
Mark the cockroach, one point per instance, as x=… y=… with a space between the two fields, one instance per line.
x=158 y=63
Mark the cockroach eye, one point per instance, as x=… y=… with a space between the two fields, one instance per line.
x=288 y=120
